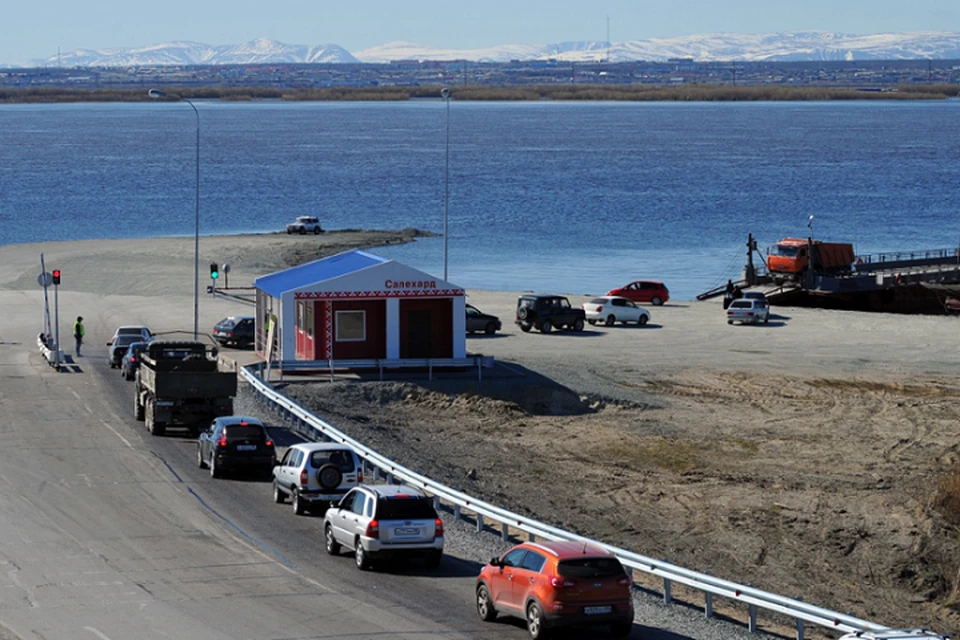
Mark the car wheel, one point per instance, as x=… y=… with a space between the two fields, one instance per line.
x=303 y=231
x=329 y=542
x=729 y=321
x=490 y=329
x=137 y=406
x=657 y=301
x=289 y=232
x=643 y=319
x=212 y=463
x=485 y=608
x=278 y=496
x=535 y=621
x=525 y=327
x=329 y=476
x=361 y=558
x=592 y=322
x=621 y=629
x=316 y=231
x=432 y=559
x=200 y=462
x=546 y=327
x=766 y=320
x=611 y=319
x=578 y=325
x=522 y=313
x=296 y=502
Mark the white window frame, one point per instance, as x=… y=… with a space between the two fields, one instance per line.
x=336 y=329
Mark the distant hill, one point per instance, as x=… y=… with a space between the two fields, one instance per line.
x=799 y=46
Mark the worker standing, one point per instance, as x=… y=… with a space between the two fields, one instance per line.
x=78 y=333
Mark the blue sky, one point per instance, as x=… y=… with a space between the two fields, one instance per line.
x=33 y=30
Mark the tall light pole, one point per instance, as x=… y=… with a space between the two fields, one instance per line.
x=155 y=93
x=445 y=93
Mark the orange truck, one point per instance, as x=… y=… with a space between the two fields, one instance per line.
x=789 y=259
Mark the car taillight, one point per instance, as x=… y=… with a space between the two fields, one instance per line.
x=228 y=333
x=749 y=313
x=600 y=308
x=438 y=528
x=559 y=582
x=222 y=442
x=373 y=529
x=360 y=475
x=304 y=477
x=624 y=581
x=269 y=442
x=133 y=358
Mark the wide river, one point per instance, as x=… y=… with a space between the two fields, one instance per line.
x=565 y=197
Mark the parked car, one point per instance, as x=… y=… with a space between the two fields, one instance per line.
x=235 y=330
x=118 y=346
x=656 y=293
x=382 y=521
x=235 y=442
x=316 y=474
x=131 y=360
x=547 y=312
x=557 y=584
x=748 y=311
x=480 y=321
x=612 y=309
x=305 y=224
x=139 y=330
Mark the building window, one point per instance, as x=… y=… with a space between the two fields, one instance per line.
x=351 y=326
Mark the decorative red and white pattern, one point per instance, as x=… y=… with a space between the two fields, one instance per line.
x=374 y=295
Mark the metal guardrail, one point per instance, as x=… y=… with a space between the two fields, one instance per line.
x=798 y=610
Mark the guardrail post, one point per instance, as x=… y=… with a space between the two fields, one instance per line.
x=436 y=503
x=708 y=605
x=799 y=624
x=533 y=537
x=456 y=512
x=389 y=478
x=479 y=522
x=667 y=598
x=753 y=618
x=505 y=533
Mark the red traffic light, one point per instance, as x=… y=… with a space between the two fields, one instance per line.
x=56 y=276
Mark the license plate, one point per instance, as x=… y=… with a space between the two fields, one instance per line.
x=592 y=611
x=246 y=447
x=406 y=531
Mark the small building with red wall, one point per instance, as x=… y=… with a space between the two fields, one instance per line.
x=356 y=306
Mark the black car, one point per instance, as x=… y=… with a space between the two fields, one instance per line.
x=547 y=312
x=480 y=321
x=131 y=360
x=118 y=346
x=236 y=442
x=235 y=330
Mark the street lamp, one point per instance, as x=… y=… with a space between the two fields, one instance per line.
x=155 y=93
x=445 y=94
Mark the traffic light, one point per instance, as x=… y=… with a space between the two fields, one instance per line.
x=214 y=271
x=56 y=276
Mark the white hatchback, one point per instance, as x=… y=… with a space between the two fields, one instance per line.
x=613 y=309
x=305 y=224
x=748 y=311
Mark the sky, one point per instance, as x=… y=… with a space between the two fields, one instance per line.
x=34 y=30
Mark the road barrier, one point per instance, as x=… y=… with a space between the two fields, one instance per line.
x=797 y=610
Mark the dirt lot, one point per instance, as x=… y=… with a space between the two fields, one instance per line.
x=802 y=457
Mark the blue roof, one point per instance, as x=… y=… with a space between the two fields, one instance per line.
x=275 y=284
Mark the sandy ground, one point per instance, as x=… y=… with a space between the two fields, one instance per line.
x=802 y=456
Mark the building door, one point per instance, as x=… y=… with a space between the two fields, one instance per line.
x=418 y=341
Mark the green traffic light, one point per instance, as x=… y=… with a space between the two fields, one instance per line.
x=214 y=271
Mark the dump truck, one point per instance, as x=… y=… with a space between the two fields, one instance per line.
x=180 y=383
x=788 y=259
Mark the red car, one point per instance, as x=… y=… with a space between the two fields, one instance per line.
x=554 y=584
x=651 y=291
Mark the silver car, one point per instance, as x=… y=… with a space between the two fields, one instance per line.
x=748 y=311
x=379 y=521
x=316 y=474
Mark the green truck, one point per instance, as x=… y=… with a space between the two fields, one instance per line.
x=180 y=383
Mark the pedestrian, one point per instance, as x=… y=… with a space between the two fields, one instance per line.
x=728 y=294
x=78 y=333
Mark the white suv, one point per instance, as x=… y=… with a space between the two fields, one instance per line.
x=305 y=224
x=316 y=473
x=384 y=520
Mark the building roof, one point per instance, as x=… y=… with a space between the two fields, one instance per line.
x=275 y=284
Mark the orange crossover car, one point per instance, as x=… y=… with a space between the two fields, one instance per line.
x=554 y=584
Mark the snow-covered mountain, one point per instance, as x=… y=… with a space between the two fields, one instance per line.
x=798 y=46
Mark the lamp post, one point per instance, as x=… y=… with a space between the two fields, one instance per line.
x=155 y=93
x=445 y=93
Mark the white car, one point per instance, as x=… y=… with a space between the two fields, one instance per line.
x=316 y=473
x=305 y=224
x=612 y=309
x=748 y=311
x=384 y=521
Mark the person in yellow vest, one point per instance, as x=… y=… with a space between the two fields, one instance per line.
x=78 y=333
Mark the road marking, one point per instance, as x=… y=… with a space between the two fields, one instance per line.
x=97 y=633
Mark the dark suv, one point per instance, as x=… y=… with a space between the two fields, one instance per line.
x=548 y=312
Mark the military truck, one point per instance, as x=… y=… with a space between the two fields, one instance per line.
x=180 y=383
